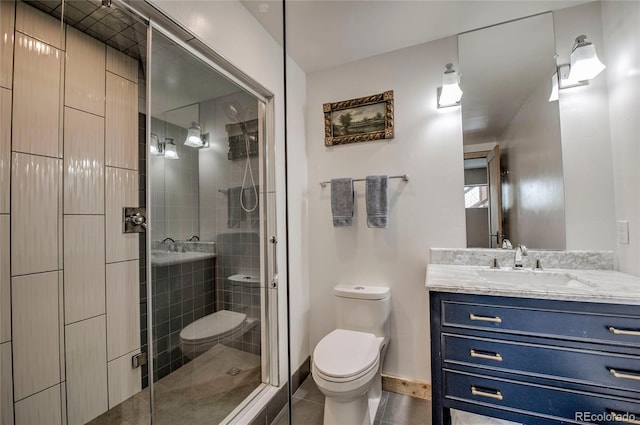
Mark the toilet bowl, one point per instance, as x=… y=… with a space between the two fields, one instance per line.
x=224 y=326
x=220 y=327
x=347 y=362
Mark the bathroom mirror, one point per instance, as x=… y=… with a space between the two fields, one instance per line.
x=511 y=135
x=186 y=96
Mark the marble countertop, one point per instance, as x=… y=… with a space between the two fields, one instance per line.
x=164 y=258
x=604 y=286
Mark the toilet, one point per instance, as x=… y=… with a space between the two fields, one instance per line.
x=347 y=363
x=221 y=327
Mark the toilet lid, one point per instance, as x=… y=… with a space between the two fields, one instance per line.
x=343 y=353
x=217 y=324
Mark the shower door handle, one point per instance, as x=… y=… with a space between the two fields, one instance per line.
x=274 y=257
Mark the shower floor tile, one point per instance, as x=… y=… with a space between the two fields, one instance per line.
x=200 y=392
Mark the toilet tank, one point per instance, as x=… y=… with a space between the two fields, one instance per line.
x=363 y=308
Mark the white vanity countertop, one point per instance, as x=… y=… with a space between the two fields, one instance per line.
x=604 y=286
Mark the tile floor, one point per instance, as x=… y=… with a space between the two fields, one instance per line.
x=395 y=409
x=200 y=392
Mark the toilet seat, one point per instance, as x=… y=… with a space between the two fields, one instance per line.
x=344 y=355
x=213 y=327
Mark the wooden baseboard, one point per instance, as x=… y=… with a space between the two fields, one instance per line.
x=408 y=387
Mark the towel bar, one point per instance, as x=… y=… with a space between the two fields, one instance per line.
x=404 y=177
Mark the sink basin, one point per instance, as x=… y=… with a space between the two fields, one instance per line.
x=532 y=278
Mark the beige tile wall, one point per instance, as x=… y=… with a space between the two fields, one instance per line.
x=86 y=370
x=5 y=148
x=123 y=380
x=6 y=388
x=42 y=408
x=36 y=339
x=38 y=25
x=122 y=65
x=84 y=73
x=36 y=97
x=83 y=162
x=7 y=21
x=7 y=25
x=121 y=121
x=123 y=309
x=84 y=267
x=34 y=214
x=5 y=281
x=66 y=206
x=121 y=191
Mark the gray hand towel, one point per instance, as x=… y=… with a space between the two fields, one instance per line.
x=342 y=202
x=377 y=199
x=235 y=213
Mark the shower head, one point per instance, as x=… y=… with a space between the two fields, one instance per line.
x=234 y=111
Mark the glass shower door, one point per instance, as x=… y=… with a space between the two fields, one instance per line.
x=207 y=232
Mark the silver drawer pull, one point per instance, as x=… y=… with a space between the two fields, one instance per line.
x=627 y=418
x=496 y=394
x=623 y=331
x=485 y=355
x=495 y=319
x=623 y=375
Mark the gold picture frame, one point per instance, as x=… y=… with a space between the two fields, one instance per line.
x=375 y=119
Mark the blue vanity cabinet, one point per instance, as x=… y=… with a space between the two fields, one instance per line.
x=535 y=361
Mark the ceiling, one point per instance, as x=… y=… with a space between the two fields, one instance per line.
x=326 y=33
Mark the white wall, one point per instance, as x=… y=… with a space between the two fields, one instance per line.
x=586 y=146
x=622 y=42
x=228 y=28
x=533 y=150
x=298 y=212
x=426 y=212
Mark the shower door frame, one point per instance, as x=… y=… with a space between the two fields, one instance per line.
x=270 y=336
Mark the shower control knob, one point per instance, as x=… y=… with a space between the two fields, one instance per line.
x=133 y=220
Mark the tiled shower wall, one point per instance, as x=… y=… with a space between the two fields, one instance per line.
x=70 y=295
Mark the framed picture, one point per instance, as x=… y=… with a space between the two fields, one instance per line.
x=359 y=120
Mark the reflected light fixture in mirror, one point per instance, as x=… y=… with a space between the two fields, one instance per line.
x=585 y=64
x=156 y=147
x=194 y=136
x=450 y=93
x=170 y=151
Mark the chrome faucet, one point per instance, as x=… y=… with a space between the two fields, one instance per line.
x=521 y=251
x=194 y=238
x=170 y=245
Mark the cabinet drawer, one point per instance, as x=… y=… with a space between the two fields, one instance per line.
x=622 y=330
x=582 y=366
x=545 y=401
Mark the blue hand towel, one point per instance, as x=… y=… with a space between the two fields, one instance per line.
x=342 y=202
x=377 y=199
x=235 y=213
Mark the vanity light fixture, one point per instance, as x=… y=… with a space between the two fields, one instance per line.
x=585 y=64
x=564 y=78
x=156 y=147
x=195 y=138
x=170 y=151
x=450 y=93
x=554 y=88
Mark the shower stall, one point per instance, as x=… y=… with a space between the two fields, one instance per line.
x=137 y=221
